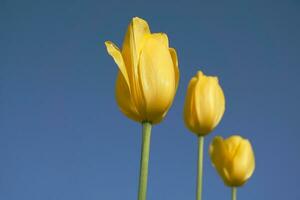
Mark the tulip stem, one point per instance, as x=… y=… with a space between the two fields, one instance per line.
x=144 y=161
x=234 y=193
x=200 y=168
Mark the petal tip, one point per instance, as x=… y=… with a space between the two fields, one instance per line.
x=137 y=20
x=200 y=74
x=108 y=44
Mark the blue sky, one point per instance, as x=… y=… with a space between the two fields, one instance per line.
x=63 y=137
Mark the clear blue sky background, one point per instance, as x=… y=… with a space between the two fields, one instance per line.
x=63 y=137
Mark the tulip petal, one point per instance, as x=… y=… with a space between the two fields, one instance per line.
x=203 y=99
x=134 y=40
x=251 y=161
x=220 y=103
x=210 y=102
x=114 y=52
x=243 y=163
x=157 y=77
x=189 y=112
x=161 y=38
x=232 y=145
x=219 y=157
x=175 y=63
x=217 y=151
x=133 y=43
x=124 y=99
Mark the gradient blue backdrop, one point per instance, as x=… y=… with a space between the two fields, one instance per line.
x=63 y=137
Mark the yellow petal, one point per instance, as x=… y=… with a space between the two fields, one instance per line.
x=243 y=163
x=219 y=157
x=220 y=103
x=157 y=77
x=161 y=38
x=124 y=99
x=133 y=43
x=251 y=162
x=210 y=103
x=134 y=39
x=175 y=63
x=232 y=145
x=203 y=101
x=218 y=152
x=189 y=105
x=117 y=56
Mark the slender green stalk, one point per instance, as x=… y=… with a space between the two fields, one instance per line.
x=233 y=193
x=200 y=168
x=144 y=161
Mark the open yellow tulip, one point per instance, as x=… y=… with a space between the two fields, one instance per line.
x=146 y=83
x=148 y=73
x=204 y=104
x=233 y=159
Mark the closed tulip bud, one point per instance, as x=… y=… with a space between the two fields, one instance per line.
x=204 y=104
x=148 y=73
x=233 y=159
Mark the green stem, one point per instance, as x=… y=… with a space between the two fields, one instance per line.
x=200 y=167
x=144 y=161
x=233 y=193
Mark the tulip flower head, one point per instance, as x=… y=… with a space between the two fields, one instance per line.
x=148 y=73
x=233 y=158
x=204 y=104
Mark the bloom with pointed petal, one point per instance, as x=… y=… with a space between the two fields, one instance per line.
x=204 y=104
x=233 y=159
x=148 y=73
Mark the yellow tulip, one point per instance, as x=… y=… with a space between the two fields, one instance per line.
x=204 y=104
x=233 y=159
x=148 y=73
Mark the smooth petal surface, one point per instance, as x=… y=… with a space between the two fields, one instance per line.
x=161 y=38
x=217 y=151
x=190 y=117
x=175 y=63
x=205 y=105
x=157 y=76
x=134 y=40
x=133 y=43
x=232 y=144
x=124 y=99
x=210 y=103
x=243 y=164
x=114 y=52
x=233 y=159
